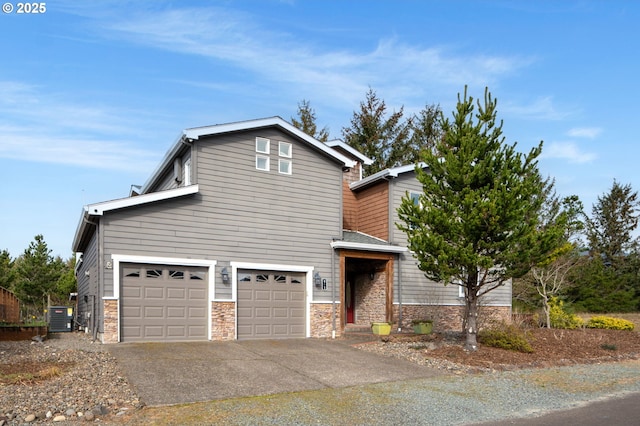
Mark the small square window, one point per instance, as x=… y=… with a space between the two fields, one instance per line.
x=415 y=197
x=284 y=149
x=262 y=162
x=262 y=145
x=284 y=166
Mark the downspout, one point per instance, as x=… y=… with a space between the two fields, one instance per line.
x=94 y=323
x=399 y=292
x=333 y=292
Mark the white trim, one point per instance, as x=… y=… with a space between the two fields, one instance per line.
x=127 y=258
x=385 y=174
x=351 y=150
x=98 y=209
x=368 y=247
x=274 y=267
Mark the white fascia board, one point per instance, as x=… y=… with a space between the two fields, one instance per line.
x=198 y=132
x=384 y=174
x=368 y=247
x=99 y=209
x=351 y=150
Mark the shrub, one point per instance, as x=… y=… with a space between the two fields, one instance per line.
x=506 y=336
x=560 y=317
x=610 y=323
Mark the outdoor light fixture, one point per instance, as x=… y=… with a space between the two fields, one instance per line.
x=317 y=280
x=225 y=276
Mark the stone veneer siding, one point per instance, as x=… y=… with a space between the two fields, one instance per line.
x=449 y=318
x=110 y=334
x=322 y=320
x=370 y=299
x=223 y=320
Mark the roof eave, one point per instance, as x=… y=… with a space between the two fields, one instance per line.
x=368 y=247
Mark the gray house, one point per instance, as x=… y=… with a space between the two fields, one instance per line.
x=254 y=230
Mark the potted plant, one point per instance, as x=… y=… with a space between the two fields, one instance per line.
x=381 y=328
x=422 y=326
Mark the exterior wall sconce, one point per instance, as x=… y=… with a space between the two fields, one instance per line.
x=372 y=275
x=317 y=280
x=225 y=275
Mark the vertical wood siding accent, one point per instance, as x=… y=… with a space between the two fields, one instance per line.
x=241 y=214
x=373 y=210
x=416 y=288
x=350 y=207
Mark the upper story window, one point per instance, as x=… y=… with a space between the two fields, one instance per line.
x=284 y=162
x=284 y=149
x=262 y=145
x=262 y=154
x=415 y=197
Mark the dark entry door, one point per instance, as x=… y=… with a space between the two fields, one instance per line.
x=350 y=298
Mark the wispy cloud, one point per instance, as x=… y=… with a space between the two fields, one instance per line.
x=585 y=132
x=567 y=151
x=341 y=75
x=543 y=108
x=37 y=126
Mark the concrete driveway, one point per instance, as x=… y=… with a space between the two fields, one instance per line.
x=175 y=373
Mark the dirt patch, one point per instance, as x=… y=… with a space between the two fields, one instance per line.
x=550 y=348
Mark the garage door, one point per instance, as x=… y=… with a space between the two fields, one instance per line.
x=163 y=303
x=271 y=305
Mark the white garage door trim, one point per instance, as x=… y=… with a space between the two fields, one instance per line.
x=308 y=270
x=126 y=258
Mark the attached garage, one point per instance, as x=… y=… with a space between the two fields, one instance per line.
x=271 y=304
x=163 y=302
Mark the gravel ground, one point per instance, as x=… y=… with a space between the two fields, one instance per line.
x=90 y=386
x=93 y=388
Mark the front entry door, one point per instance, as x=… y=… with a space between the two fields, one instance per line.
x=350 y=298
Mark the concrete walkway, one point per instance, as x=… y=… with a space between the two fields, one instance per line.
x=176 y=373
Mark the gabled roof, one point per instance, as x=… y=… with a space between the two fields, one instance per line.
x=98 y=209
x=385 y=174
x=354 y=240
x=195 y=133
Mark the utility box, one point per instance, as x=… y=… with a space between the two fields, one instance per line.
x=60 y=318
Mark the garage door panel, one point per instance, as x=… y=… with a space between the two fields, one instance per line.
x=154 y=293
x=197 y=294
x=160 y=304
x=176 y=293
x=176 y=312
x=271 y=305
x=153 y=312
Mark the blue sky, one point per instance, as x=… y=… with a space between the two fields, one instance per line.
x=92 y=94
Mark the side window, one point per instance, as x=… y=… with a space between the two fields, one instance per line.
x=187 y=172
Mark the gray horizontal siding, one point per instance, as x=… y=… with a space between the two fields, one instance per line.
x=241 y=214
x=88 y=284
x=416 y=288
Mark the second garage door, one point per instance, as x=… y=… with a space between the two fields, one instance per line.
x=163 y=303
x=271 y=305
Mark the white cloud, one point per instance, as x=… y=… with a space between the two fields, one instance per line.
x=36 y=126
x=567 y=151
x=543 y=108
x=338 y=76
x=585 y=132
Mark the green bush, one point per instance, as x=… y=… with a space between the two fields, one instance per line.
x=506 y=336
x=610 y=323
x=561 y=318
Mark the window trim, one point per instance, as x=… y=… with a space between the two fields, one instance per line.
x=290 y=150
x=267 y=145
x=289 y=170
x=268 y=163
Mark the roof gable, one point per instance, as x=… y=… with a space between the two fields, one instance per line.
x=196 y=133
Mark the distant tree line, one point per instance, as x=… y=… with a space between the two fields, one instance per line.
x=37 y=278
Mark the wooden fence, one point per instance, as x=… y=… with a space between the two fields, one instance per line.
x=9 y=306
